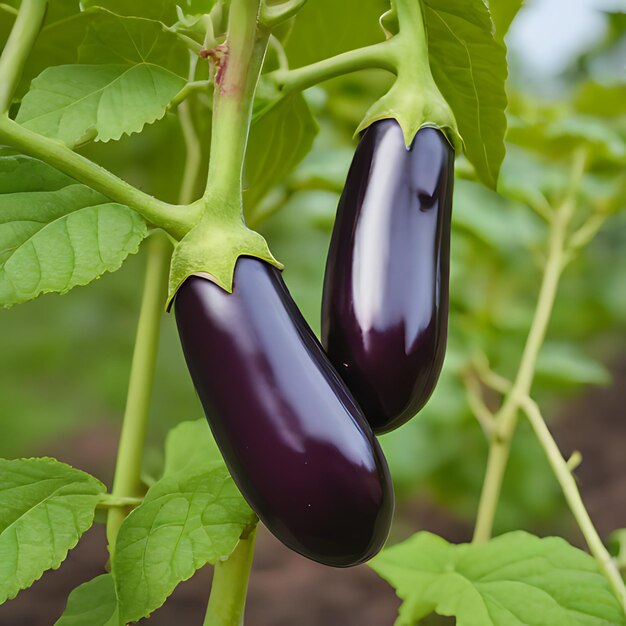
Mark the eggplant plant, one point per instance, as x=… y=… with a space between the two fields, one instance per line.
x=290 y=436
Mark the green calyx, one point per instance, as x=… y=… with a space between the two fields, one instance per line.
x=414 y=106
x=414 y=99
x=211 y=250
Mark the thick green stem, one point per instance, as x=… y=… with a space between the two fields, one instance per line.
x=127 y=481
x=230 y=586
x=507 y=416
x=18 y=47
x=235 y=83
x=176 y=220
x=411 y=21
x=380 y=55
x=570 y=490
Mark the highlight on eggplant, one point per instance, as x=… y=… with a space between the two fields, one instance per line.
x=292 y=436
x=385 y=299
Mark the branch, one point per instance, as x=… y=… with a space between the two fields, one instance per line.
x=570 y=489
x=380 y=55
x=506 y=418
x=127 y=482
x=176 y=220
x=18 y=47
x=276 y=14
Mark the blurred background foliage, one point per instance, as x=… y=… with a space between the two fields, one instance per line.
x=65 y=360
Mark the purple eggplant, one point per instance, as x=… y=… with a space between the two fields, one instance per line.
x=292 y=436
x=385 y=302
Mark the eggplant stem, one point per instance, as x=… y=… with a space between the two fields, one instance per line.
x=229 y=589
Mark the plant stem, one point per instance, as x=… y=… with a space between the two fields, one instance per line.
x=193 y=148
x=568 y=484
x=18 y=47
x=108 y=501
x=411 y=23
x=176 y=220
x=230 y=586
x=273 y=15
x=235 y=84
x=379 y=55
x=506 y=417
x=127 y=481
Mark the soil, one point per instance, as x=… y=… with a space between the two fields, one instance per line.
x=288 y=590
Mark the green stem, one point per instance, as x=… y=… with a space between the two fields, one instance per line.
x=506 y=417
x=380 y=55
x=18 y=47
x=176 y=220
x=275 y=14
x=570 y=489
x=127 y=481
x=235 y=84
x=108 y=501
x=230 y=586
x=193 y=147
x=411 y=21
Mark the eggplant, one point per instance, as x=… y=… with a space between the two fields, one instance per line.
x=385 y=298
x=295 y=441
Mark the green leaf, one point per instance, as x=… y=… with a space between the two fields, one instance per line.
x=566 y=364
x=112 y=39
x=602 y=100
x=561 y=136
x=160 y=10
x=45 y=507
x=501 y=225
x=503 y=12
x=94 y=603
x=469 y=67
x=512 y=580
x=321 y=29
x=280 y=137
x=187 y=519
x=56 y=234
x=190 y=443
x=74 y=103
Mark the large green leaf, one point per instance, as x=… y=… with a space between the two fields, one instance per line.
x=187 y=519
x=74 y=103
x=45 y=506
x=56 y=234
x=512 y=580
x=469 y=67
x=324 y=28
x=130 y=70
x=503 y=13
x=130 y=41
x=190 y=444
x=280 y=138
x=93 y=603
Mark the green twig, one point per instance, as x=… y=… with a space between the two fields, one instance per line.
x=18 y=47
x=275 y=14
x=380 y=55
x=570 y=489
x=176 y=220
x=230 y=586
x=127 y=482
x=506 y=417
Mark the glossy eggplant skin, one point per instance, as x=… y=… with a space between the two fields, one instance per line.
x=292 y=436
x=385 y=300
